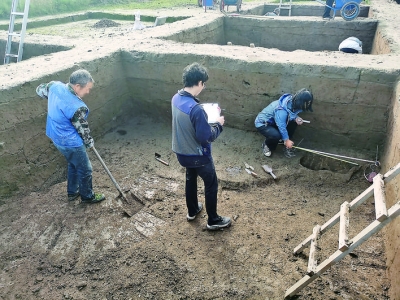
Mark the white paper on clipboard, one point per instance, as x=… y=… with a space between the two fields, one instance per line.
x=213 y=111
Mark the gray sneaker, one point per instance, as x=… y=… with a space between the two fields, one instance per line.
x=289 y=153
x=266 y=150
x=191 y=218
x=221 y=223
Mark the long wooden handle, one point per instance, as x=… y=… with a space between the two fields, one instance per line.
x=161 y=161
x=108 y=171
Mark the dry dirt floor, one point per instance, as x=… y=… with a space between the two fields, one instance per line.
x=54 y=249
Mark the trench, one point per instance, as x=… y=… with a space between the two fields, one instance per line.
x=133 y=81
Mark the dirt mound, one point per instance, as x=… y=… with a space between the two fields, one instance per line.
x=104 y=23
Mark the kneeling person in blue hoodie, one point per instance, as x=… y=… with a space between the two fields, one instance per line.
x=278 y=121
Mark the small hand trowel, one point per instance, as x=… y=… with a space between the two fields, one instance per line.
x=251 y=172
x=249 y=169
x=268 y=169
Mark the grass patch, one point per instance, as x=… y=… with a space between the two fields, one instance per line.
x=39 y=8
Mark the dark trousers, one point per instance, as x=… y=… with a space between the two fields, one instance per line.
x=272 y=134
x=327 y=12
x=79 y=171
x=209 y=176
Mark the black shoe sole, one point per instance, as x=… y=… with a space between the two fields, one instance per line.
x=194 y=217
x=219 y=227
x=91 y=201
x=73 y=198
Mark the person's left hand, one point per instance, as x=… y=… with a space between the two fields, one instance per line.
x=90 y=145
x=299 y=121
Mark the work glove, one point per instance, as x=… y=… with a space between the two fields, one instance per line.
x=90 y=144
x=42 y=91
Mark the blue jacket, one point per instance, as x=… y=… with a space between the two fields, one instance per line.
x=278 y=113
x=61 y=107
x=191 y=133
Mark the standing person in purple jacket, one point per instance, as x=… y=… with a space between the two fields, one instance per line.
x=191 y=141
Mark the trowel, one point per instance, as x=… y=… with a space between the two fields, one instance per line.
x=268 y=169
x=251 y=172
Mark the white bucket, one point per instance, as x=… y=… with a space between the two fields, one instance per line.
x=213 y=111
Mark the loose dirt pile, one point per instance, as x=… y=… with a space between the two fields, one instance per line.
x=105 y=23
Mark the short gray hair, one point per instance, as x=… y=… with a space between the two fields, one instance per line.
x=81 y=77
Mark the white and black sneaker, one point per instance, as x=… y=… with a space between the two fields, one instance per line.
x=266 y=150
x=191 y=218
x=222 y=222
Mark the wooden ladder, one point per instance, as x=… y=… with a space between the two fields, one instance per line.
x=284 y=4
x=11 y=34
x=346 y=245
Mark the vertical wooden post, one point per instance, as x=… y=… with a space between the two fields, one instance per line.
x=312 y=262
x=344 y=226
x=380 y=198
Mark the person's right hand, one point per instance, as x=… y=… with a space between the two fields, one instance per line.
x=288 y=143
x=221 y=120
x=299 y=121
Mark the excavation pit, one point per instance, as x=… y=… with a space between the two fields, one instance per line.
x=71 y=26
x=285 y=34
x=317 y=162
x=98 y=251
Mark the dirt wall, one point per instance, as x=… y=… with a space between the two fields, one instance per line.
x=30 y=50
x=380 y=45
x=243 y=89
x=309 y=35
x=143 y=82
x=392 y=158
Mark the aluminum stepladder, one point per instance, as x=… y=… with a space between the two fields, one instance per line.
x=284 y=4
x=11 y=34
x=346 y=245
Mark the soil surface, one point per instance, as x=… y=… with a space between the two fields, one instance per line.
x=55 y=249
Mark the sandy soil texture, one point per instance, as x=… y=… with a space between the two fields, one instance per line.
x=54 y=249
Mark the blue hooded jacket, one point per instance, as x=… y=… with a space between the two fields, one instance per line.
x=278 y=113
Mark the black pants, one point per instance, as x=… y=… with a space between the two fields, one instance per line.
x=273 y=135
x=209 y=176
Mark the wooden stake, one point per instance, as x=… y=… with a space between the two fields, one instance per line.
x=380 y=198
x=344 y=226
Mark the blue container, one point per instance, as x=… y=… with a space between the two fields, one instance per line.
x=208 y=3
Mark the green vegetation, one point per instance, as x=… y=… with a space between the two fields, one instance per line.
x=40 y=8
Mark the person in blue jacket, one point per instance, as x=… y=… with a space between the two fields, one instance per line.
x=278 y=121
x=192 y=136
x=327 y=10
x=68 y=129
